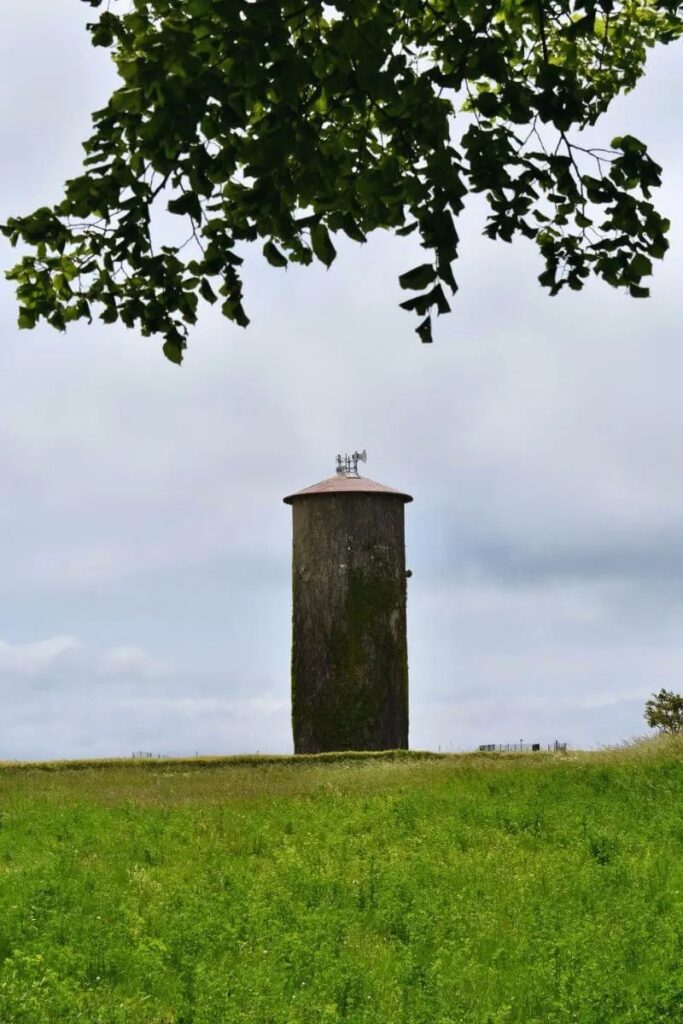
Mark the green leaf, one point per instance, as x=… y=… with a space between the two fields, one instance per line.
x=629 y=144
x=418 y=277
x=425 y=331
x=640 y=266
x=207 y=291
x=421 y=303
x=441 y=302
x=418 y=304
x=407 y=229
x=173 y=351
x=487 y=103
x=26 y=320
x=322 y=244
x=274 y=256
x=350 y=228
x=127 y=101
x=188 y=204
x=232 y=308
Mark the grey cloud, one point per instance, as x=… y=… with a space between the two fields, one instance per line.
x=33 y=658
x=647 y=563
x=114 y=701
x=118 y=660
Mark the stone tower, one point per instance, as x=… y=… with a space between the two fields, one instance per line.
x=349 y=650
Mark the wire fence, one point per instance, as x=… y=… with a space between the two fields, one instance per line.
x=521 y=747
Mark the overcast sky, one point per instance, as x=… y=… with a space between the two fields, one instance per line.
x=144 y=547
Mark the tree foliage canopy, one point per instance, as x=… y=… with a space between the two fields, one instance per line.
x=291 y=121
x=664 y=711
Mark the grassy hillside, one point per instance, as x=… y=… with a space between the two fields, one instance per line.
x=488 y=889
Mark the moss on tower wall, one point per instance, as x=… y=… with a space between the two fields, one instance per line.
x=349 y=653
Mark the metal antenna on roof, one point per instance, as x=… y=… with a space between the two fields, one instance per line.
x=355 y=459
x=347 y=465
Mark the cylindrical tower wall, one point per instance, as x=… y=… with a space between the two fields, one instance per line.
x=349 y=652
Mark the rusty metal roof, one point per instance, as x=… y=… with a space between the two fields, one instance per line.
x=342 y=484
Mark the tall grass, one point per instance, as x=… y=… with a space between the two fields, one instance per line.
x=482 y=889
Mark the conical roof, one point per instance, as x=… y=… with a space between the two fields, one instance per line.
x=340 y=483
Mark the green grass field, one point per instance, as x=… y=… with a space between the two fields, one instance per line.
x=483 y=889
